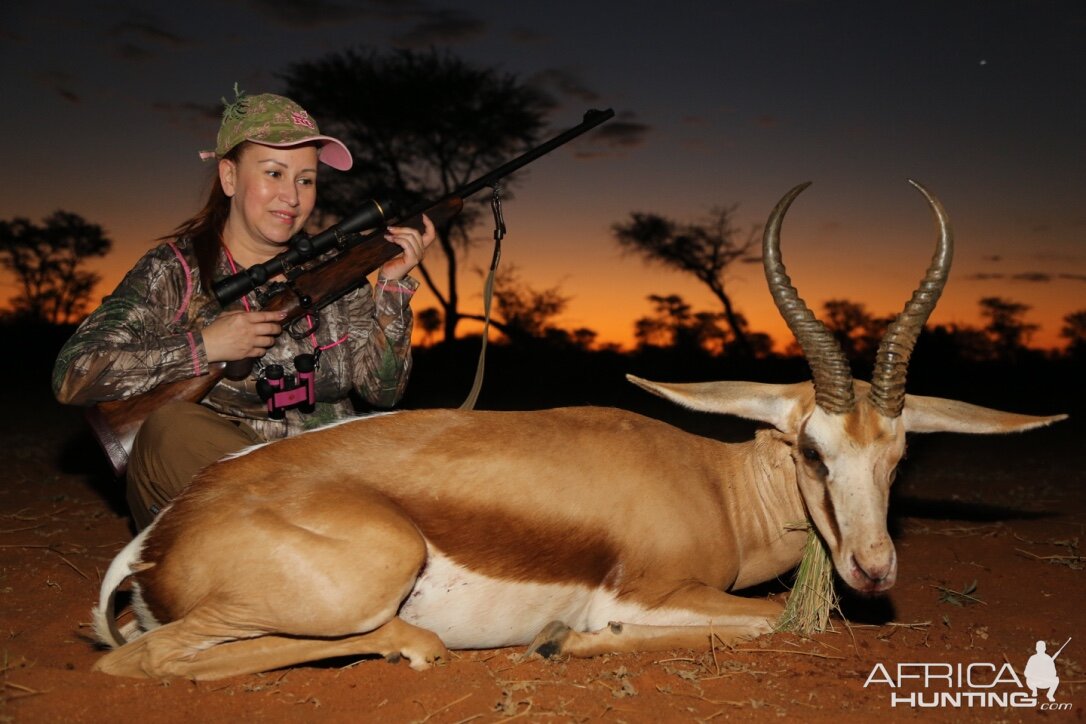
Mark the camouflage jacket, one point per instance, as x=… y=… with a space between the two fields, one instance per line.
x=148 y=331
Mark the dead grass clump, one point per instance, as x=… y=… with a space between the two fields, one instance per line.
x=813 y=597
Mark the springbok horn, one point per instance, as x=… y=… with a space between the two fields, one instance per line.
x=829 y=366
x=892 y=362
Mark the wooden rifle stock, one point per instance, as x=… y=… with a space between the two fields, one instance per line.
x=115 y=423
x=324 y=281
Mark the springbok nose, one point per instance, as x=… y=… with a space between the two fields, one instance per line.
x=878 y=569
x=875 y=574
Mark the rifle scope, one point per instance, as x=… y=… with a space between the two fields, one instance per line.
x=302 y=248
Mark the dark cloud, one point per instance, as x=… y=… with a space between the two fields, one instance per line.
x=59 y=82
x=201 y=119
x=563 y=82
x=314 y=13
x=767 y=121
x=431 y=27
x=992 y=257
x=139 y=37
x=526 y=35
x=621 y=134
x=442 y=27
x=1059 y=257
x=1034 y=277
x=699 y=145
x=148 y=31
x=193 y=110
x=132 y=52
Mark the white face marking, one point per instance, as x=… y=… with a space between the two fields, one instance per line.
x=849 y=505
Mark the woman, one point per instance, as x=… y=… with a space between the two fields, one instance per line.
x=162 y=323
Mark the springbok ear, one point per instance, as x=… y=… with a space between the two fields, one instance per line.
x=935 y=414
x=782 y=406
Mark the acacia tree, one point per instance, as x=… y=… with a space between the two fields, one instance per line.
x=1074 y=331
x=856 y=330
x=705 y=250
x=675 y=324
x=48 y=262
x=429 y=321
x=1006 y=329
x=524 y=312
x=420 y=125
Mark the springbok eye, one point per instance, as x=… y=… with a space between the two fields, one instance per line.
x=812 y=455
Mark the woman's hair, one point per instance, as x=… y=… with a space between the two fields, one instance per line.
x=205 y=228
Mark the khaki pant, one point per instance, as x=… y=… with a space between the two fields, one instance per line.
x=177 y=441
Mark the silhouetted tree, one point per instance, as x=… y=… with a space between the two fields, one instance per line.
x=856 y=330
x=584 y=338
x=675 y=324
x=849 y=322
x=522 y=312
x=955 y=341
x=429 y=321
x=1074 y=331
x=1006 y=329
x=760 y=344
x=420 y=125
x=49 y=261
x=704 y=250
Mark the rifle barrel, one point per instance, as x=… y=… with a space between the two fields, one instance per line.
x=592 y=118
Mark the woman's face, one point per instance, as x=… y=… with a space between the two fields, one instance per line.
x=272 y=193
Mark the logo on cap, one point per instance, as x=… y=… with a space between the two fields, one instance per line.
x=303 y=119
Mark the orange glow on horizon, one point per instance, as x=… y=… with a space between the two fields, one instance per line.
x=608 y=291
x=615 y=325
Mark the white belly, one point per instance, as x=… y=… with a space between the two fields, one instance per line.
x=469 y=610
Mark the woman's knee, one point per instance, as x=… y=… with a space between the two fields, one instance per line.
x=177 y=441
x=188 y=429
x=166 y=421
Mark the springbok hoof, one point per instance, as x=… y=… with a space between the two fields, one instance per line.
x=548 y=643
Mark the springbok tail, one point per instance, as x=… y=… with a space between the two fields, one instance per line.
x=105 y=623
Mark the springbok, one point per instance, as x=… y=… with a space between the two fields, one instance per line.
x=578 y=531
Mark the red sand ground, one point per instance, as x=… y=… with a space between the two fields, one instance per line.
x=1007 y=529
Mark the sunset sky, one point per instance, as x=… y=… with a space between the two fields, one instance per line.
x=721 y=103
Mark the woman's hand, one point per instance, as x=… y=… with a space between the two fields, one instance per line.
x=414 y=247
x=239 y=335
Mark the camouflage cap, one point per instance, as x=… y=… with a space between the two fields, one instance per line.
x=273 y=120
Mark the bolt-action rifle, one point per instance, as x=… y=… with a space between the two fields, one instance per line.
x=314 y=272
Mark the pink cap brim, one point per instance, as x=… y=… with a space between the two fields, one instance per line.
x=331 y=152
